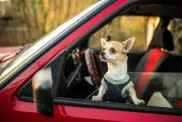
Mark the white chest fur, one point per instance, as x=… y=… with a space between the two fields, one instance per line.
x=117 y=71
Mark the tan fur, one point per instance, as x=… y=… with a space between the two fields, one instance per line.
x=119 y=52
x=114 y=53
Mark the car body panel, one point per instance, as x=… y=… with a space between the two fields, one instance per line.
x=13 y=109
x=7 y=54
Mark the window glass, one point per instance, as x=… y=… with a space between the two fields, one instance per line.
x=175 y=26
x=155 y=72
x=124 y=27
x=157 y=79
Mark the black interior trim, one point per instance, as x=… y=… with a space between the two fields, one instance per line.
x=155 y=8
x=151 y=9
x=113 y=106
x=118 y=106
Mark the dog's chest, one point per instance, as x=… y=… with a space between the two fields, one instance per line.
x=117 y=72
x=116 y=92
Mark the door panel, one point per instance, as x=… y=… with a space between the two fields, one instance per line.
x=104 y=115
x=12 y=109
x=25 y=111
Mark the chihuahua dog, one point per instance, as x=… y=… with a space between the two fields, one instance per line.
x=115 y=84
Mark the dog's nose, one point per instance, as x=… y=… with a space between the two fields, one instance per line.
x=102 y=54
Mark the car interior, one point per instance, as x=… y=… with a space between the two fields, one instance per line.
x=77 y=73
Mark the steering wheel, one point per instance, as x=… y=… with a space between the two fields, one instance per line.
x=93 y=66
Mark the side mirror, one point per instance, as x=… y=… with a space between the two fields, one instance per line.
x=42 y=92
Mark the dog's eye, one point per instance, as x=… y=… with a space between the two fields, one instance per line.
x=112 y=50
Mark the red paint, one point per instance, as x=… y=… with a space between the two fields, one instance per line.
x=150 y=65
x=179 y=103
x=7 y=60
x=12 y=109
x=7 y=54
x=9 y=50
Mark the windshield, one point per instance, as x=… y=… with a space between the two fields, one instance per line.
x=25 y=55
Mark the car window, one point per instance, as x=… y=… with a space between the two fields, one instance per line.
x=150 y=66
x=155 y=71
x=123 y=27
x=175 y=28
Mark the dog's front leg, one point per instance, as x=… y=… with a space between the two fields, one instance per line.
x=102 y=91
x=134 y=98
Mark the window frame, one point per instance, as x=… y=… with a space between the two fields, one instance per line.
x=104 y=105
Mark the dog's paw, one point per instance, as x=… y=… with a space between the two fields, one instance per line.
x=139 y=102
x=96 y=98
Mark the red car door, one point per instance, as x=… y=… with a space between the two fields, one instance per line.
x=13 y=109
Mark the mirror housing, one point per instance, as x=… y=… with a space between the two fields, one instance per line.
x=42 y=92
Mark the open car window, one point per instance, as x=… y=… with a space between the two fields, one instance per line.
x=150 y=65
x=154 y=69
x=123 y=27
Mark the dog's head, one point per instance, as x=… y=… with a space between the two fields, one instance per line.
x=113 y=51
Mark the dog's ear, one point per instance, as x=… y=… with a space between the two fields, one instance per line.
x=103 y=42
x=127 y=45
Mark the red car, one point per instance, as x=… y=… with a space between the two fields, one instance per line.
x=54 y=79
x=7 y=54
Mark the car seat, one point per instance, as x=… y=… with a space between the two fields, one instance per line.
x=157 y=59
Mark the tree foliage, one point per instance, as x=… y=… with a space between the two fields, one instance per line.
x=34 y=18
